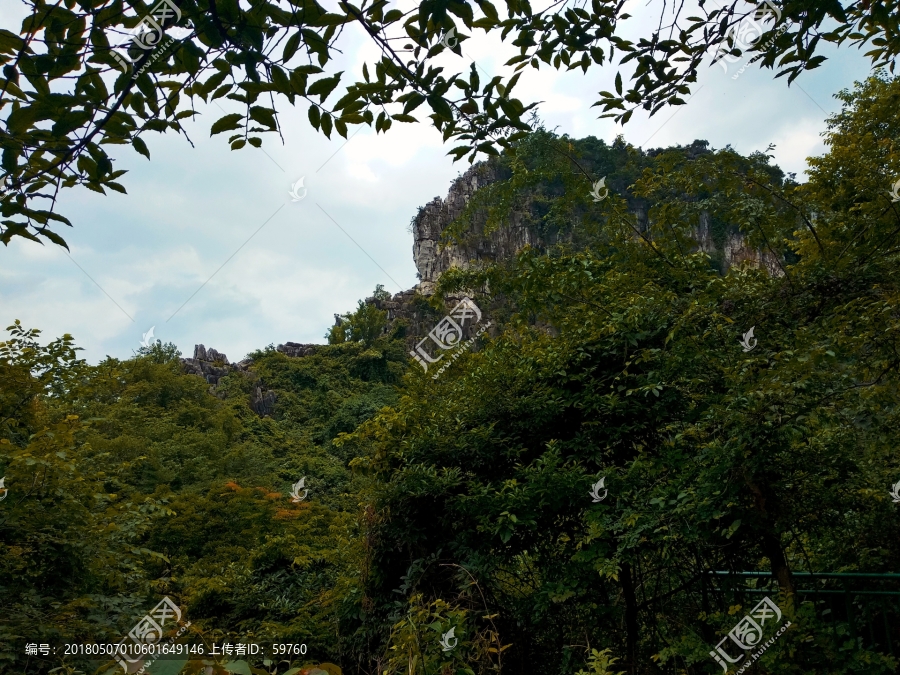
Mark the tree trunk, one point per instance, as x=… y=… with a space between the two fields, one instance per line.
x=631 y=619
x=771 y=547
x=771 y=542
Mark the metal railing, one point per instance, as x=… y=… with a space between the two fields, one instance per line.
x=875 y=622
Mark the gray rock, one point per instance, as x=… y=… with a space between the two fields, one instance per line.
x=295 y=349
x=262 y=402
x=211 y=365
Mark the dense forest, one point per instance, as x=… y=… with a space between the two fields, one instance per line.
x=646 y=444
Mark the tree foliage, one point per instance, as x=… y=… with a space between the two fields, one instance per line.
x=128 y=480
x=364 y=325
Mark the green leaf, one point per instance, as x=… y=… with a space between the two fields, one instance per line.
x=226 y=123
x=52 y=236
x=264 y=116
x=280 y=80
x=323 y=87
x=307 y=70
x=332 y=20
x=87 y=165
x=290 y=47
x=313 y=114
x=21 y=119
x=440 y=107
x=221 y=91
x=353 y=118
x=215 y=80
x=414 y=101
x=156 y=125
x=10 y=43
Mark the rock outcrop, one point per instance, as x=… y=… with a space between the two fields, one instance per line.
x=212 y=365
x=433 y=259
x=262 y=402
x=296 y=349
x=732 y=249
x=433 y=256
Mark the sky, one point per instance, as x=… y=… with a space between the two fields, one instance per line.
x=209 y=246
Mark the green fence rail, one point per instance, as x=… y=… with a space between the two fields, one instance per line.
x=876 y=621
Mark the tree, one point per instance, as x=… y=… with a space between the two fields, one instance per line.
x=69 y=546
x=364 y=325
x=66 y=98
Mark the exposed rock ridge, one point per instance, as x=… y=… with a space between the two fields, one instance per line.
x=432 y=259
x=213 y=365
x=296 y=349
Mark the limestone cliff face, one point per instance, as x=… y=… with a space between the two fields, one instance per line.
x=432 y=259
x=732 y=249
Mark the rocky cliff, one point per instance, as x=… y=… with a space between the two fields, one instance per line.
x=433 y=256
